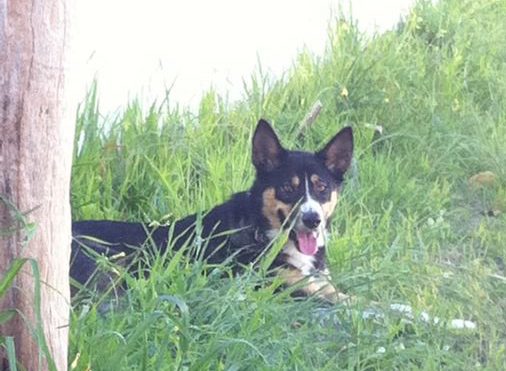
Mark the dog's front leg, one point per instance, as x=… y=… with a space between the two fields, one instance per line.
x=318 y=285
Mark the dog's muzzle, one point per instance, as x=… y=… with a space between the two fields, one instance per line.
x=306 y=231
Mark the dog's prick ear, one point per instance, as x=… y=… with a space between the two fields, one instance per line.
x=338 y=153
x=267 y=151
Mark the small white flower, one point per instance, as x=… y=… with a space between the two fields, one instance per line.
x=399 y=347
x=381 y=350
x=424 y=316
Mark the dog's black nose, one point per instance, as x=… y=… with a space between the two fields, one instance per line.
x=311 y=220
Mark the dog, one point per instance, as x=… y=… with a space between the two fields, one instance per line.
x=294 y=192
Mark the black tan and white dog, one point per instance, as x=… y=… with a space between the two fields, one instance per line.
x=294 y=191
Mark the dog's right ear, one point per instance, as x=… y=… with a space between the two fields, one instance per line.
x=267 y=151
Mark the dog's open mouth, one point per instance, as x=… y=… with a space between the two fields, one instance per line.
x=305 y=241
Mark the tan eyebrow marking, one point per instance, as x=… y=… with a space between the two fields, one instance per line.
x=295 y=181
x=317 y=182
x=314 y=178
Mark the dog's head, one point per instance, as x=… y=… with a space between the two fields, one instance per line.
x=299 y=189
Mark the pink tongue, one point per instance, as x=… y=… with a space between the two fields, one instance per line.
x=307 y=243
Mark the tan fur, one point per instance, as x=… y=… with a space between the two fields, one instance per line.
x=271 y=205
x=317 y=286
x=329 y=207
x=295 y=182
x=315 y=179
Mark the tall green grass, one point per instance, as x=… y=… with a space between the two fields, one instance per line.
x=409 y=228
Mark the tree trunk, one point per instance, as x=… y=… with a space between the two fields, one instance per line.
x=37 y=119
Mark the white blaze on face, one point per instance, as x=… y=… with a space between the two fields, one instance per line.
x=311 y=205
x=310 y=240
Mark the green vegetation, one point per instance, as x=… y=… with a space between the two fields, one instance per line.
x=410 y=227
x=7 y=342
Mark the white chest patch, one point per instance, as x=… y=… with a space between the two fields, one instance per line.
x=304 y=263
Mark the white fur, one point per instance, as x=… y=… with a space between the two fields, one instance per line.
x=304 y=263
x=311 y=205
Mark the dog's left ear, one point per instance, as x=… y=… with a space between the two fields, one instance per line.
x=337 y=154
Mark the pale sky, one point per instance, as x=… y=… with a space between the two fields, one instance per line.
x=137 y=48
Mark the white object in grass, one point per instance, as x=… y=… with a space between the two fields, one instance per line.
x=456 y=323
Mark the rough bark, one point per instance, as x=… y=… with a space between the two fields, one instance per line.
x=36 y=135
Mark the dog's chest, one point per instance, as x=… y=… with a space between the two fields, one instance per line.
x=304 y=263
